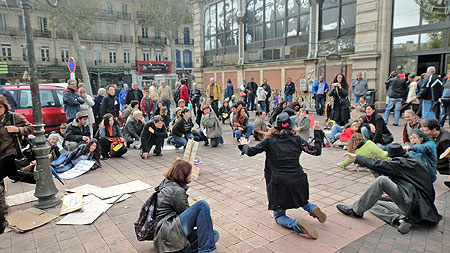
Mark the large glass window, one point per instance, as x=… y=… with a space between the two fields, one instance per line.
x=220 y=25
x=408 y=13
x=406 y=43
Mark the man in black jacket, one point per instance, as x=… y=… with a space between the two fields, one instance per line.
x=396 y=89
x=409 y=185
x=110 y=103
x=442 y=139
x=78 y=132
x=430 y=92
x=153 y=134
x=134 y=94
x=267 y=88
x=251 y=94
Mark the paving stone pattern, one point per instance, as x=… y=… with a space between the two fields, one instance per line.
x=233 y=185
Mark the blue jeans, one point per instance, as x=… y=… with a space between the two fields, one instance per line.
x=320 y=104
x=335 y=129
x=288 y=98
x=60 y=161
x=262 y=105
x=366 y=133
x=427 y=109
x=286 y=221
x=248 y=132
x=122 y=107
x=179 y=142
x=167 y=103
x=398 y=106
x=356 y=98
x=293 y=119
x=205 y=238
x=214 y=141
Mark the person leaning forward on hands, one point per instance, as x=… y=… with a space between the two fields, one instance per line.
x=153 y=134
x=286 y=183
x=409 y=186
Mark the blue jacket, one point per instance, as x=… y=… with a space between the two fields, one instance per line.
x=9 y=96
x=122 y=96
x=316 y=87
x=72 y=102
x=289 y=89
x=426 y=153
x=230 y=91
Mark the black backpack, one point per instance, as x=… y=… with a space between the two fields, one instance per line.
x=146 y=224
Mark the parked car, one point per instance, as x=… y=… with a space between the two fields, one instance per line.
x=51 y=103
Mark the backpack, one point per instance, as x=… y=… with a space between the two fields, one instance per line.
x=176 y=96
x=146 y=224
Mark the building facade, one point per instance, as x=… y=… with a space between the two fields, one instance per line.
x=303 y=39
x=118 y=41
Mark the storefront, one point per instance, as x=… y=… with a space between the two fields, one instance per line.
x=101 y=77
x=147 y=70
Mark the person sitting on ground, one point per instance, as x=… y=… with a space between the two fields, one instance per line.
x=165 y=116
x=357 y=145
x=442 y=139
x=153 y=134
x=346 y=135
x=77 y=132
x=68 y=160
x=412 y=122
x=133 y=106
x=407 y=182
x=175 y=119
x=224 y=111
x=277 y=110
x=374 y=128
x=358 y=109
x=302 y=124
x=422 y=147
x=286 y=182
x=182 y=130
x=159 y=105
x=241 y=125
x=52 y=143
x=177 y=220
x=60 y=134
x=110 y=138
x=182 y=104
x=261 y=129
x=210 y=127
x=133 y=129
x=303 y=104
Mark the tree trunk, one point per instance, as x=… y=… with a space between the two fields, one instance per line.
x=173 y=55
x=82 y=61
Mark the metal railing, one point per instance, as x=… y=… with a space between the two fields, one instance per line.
x=152 y=40
x=57 y=62
x=113 y=14
x=12 y=31
x=105 y=37
x=42 y=34
x=184 y=42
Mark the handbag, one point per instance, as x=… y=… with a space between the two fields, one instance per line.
x=386 y=138
x=23 y=145
x=242 y=94
x=118 y=147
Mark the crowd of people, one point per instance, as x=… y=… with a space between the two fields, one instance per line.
x=114 y=121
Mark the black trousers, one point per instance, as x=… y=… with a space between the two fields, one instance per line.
x=105 y=144
x=8 y=169
x=158 y=142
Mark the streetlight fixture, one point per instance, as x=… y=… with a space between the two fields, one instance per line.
x=45 y=186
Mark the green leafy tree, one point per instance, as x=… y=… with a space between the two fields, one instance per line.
x=75 y=18
x=168 y=17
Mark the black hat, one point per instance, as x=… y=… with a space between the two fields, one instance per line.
x=283 y=121
x=396 y=150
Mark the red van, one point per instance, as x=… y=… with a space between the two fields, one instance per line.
x=51 y=103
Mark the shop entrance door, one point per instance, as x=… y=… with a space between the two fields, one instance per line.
x=425 y=61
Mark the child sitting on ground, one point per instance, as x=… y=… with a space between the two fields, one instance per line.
x=302 y=124
x=260 y=130
x=369 y=149
x=345 y=136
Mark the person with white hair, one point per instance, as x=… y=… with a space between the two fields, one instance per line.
x=133 y=128
x=430 y=92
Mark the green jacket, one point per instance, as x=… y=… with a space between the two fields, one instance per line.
x=369 y=149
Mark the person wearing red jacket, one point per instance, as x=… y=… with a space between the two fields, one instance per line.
x=345 y=136
x=146 y=105
x=184 y=92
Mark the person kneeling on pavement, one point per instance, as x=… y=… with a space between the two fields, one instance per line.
x=409 y=185
x=153 y=134
x=210 y=127
x=133 y=129
x=68 y=160
x=78 y=132
x=182 y=130
x=110 y=138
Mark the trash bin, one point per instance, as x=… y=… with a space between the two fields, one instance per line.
x=370 y=96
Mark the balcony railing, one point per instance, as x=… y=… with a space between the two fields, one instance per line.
x=57 y=62
x=105 y=37
x=184 y=42
x=142 y=15
x=106 y=63
x=113 y=14
x=12 y=31
x=43 y=34
x=152 y=40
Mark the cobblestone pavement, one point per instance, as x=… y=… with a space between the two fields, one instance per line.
x=234 y=187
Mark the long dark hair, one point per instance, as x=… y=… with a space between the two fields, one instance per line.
x=344 y=83
x=106 y=120
x=88 y=146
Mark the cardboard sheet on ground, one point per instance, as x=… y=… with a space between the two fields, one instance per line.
x=168 y=147
x=88 y=215
x=24 y=220
x=80 y=168
x=21 y=198
x=83 y=189
x=130 y=187
x=113 y=200
x=71 y=203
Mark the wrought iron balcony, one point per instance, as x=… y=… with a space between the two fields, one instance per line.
x=184 y=42
x=113 y=14
x=12 y=31
x=152 y=40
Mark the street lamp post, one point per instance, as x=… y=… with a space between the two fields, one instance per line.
x=45 y=187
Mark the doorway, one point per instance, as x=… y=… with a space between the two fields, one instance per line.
x=425 y=61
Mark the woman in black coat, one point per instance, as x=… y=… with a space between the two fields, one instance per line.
x=341 y=107
x=286 y=183
x=111 y=135
x=374 y=128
